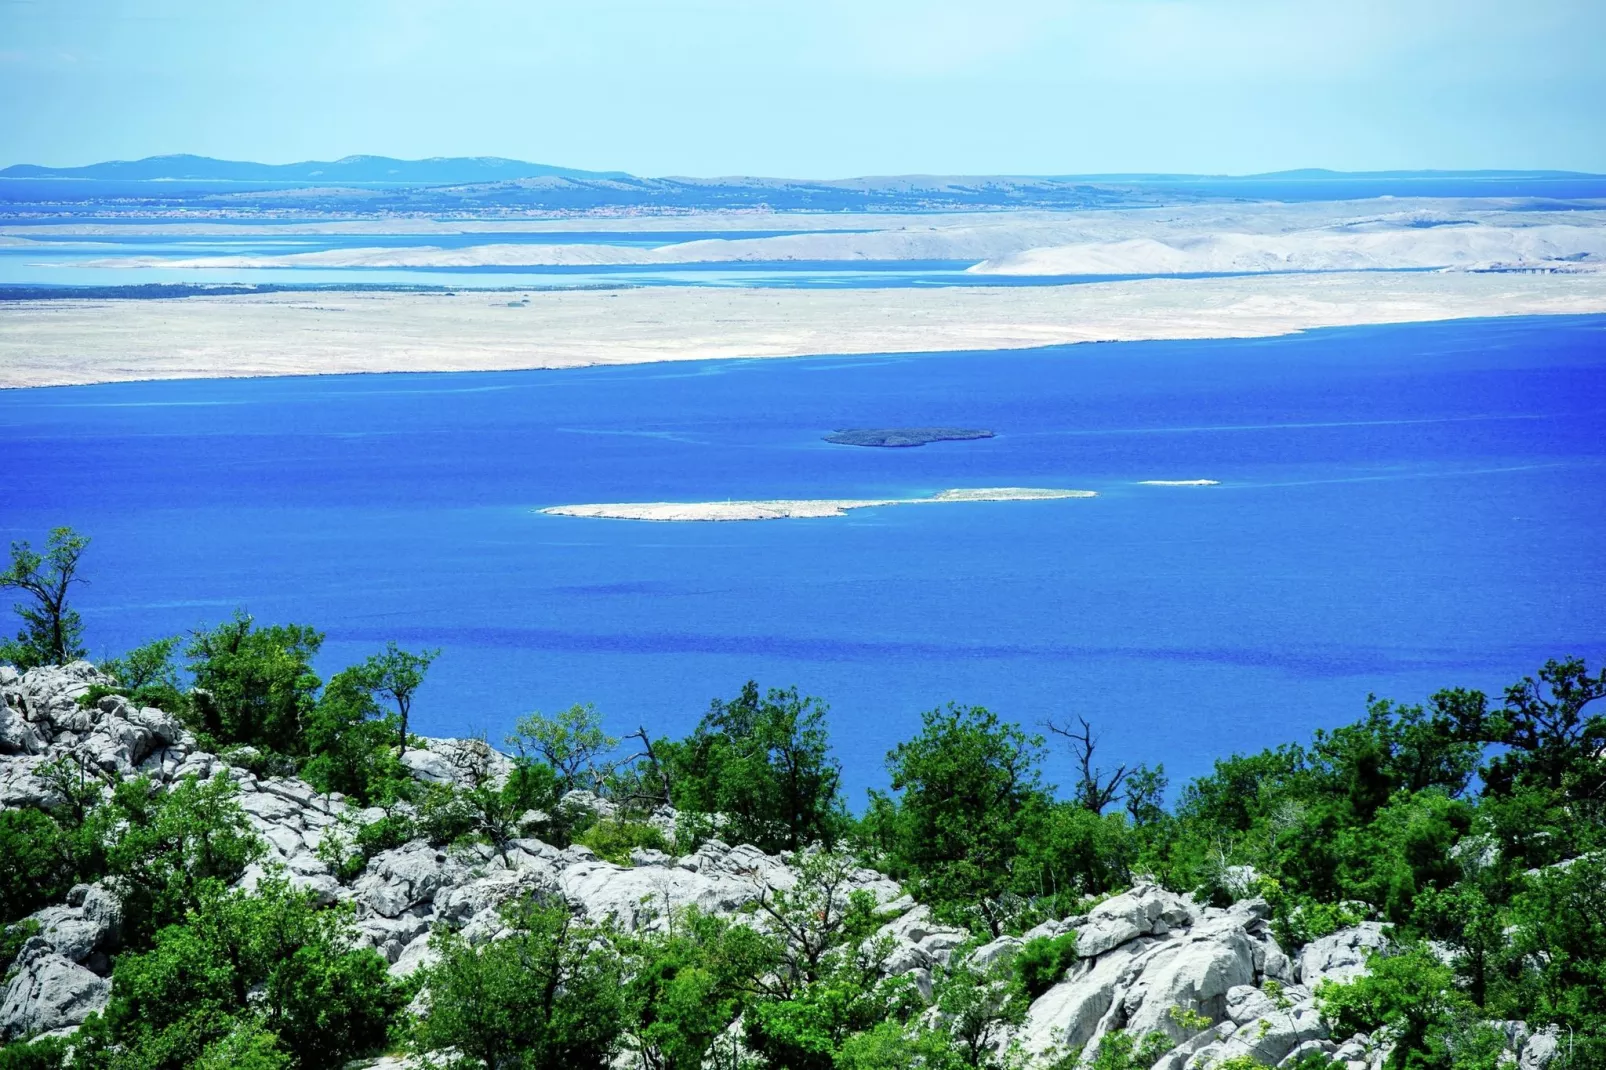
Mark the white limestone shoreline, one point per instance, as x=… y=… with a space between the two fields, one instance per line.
x=795 y=509
x=75 y=341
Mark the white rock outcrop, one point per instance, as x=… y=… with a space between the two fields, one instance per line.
x=1143 y=954
x=1146 y=952
x=48 y=992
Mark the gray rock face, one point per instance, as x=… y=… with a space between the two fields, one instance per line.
x=48 y=992
x=462 y=762
x=1341 y=956
x=1069 y=1015
x=85 y=928
x=41 y=723
x=406 y=877
x=1245 y=1003
x=1268 y=1040
x=1152 y=951
x=1194 y=973
x=1145 y=910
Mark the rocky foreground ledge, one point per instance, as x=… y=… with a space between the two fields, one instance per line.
x=1141 y=953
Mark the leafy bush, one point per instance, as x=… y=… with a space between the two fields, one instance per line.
x=146 y=676
x=348 y=847
x=166 y=847
x=1413 y=994
x=1040 y=963
x=548 y=995
x=977 y=1008
x=614 y=839
x=46 y=1053
x=764 y=764
x=251 y=976
x=687 y=983
x=254 y=685
x=1122 y=1051
x=247 y=1047
x=39 y=862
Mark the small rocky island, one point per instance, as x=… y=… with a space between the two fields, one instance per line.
x=904 y=436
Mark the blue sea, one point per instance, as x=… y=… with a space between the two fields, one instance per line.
x=1399 y=509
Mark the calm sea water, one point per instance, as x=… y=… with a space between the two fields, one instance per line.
x=1400 y=509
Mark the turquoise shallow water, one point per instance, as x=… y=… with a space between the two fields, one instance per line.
x=1400 y=508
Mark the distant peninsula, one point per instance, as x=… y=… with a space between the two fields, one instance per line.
x=791 y=509
x=900 y=437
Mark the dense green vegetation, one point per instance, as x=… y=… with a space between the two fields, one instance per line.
x=1473 y=824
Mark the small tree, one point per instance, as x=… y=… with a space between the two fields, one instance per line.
x=688 y=982
x=52 y=633
x=979 y=1007
x=762 y=761
x=349 y=742
x=254 y=685
x=396 y=674
x=969 y=783
x=570 y=742
x=547 y=995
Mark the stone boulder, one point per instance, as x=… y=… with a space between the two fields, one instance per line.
x=1340 y=956
x=1144 y=911
x=918 y=942
x=405 y=877
x=85 y=928
x=1267 y=1040
x=460 y=762
x=48 y=992
x=1075 y=1011
x=1153 y=952
x=1245 y=1003
x=1194 y=973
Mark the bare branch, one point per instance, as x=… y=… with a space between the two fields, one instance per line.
x=1094 y=790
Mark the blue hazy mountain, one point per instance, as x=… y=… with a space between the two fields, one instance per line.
x=380 y=184
x=436 y=171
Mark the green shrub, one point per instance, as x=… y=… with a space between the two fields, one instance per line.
x=614 y=839
x=46 y=1053
x=254 y=685
x=146 y=676
x=548 y=996
x=247 y=967
x=1413 y=994
x=166 y=847
x=1042 y=962
x=1122 y=1051
x=39 y=862
x=763 y=761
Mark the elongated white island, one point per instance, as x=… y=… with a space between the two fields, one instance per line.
x=801 y=508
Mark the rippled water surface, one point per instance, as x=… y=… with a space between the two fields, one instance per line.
x=1399 y=509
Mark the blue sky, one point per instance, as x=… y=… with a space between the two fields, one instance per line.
x=815 y=89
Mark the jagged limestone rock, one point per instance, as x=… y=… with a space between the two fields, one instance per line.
x=1340 y=956
x=48 y=992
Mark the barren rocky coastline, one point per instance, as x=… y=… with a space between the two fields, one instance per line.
x=63 y=342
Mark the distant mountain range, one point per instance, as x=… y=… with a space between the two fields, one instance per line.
x=465 y=170
x=380 y=185
x=437 y=171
